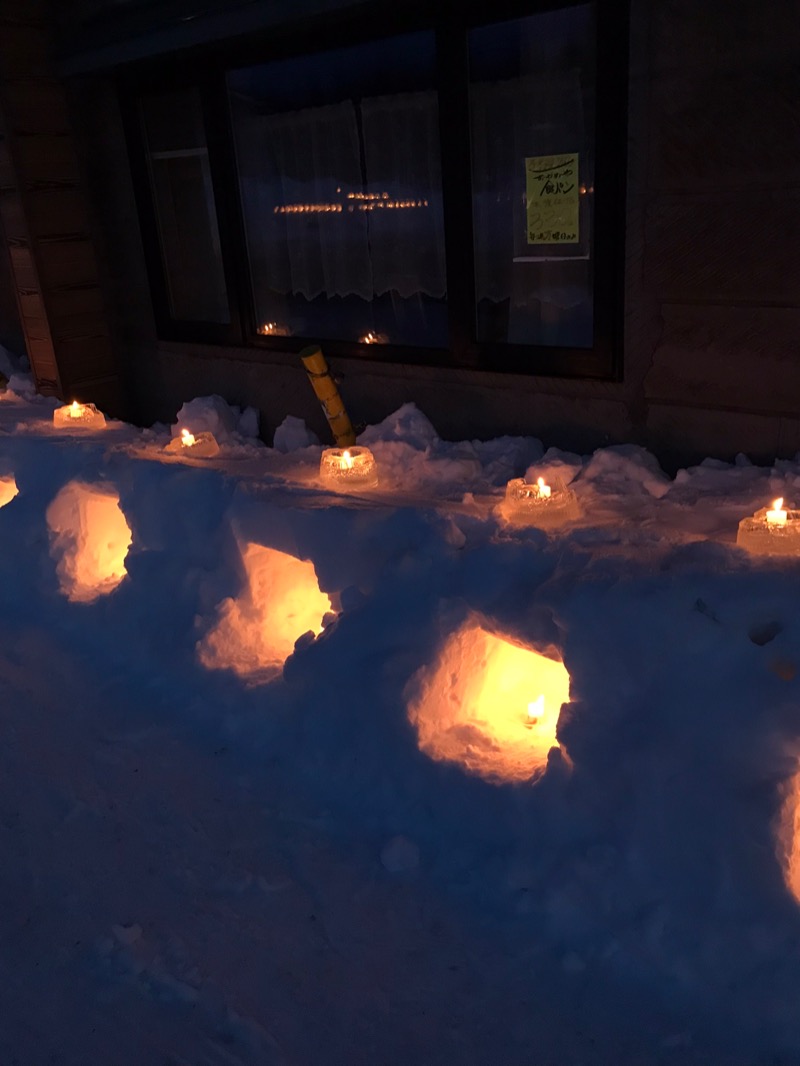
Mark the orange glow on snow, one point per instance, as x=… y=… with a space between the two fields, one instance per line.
x=256 y=632
x=8 y=490
x=789 y=837
x=490 y=706
x=90 y=540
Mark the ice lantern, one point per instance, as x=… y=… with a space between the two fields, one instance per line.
x=197 y=446
x=489 y=705
x=771 y=531
x=348 y=468
x=78 y=416
x=539 y=504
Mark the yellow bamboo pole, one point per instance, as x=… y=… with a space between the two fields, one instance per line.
x=328 y=395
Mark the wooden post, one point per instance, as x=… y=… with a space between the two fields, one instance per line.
x=328 y=395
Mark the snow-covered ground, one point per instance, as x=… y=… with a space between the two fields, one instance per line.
x=212 y=856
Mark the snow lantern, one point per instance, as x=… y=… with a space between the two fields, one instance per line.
x=771 y=531
x=8 y=489
x=194 y=445
x=348 y=468
x=789 y=837
x=538 y=504
x=490 y=705
x=256 y=632
x=78 y=416
x=90 y=540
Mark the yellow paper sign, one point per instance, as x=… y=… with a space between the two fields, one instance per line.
x=552 y=199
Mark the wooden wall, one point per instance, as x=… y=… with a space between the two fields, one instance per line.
x=45 y=219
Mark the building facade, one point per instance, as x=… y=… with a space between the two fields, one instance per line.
x=571 y=220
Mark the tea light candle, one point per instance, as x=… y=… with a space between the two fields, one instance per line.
x=777 y=516
x=538 y=504
x=771 y=531
x=78 y=416
x=348 y=468
x=197 y=445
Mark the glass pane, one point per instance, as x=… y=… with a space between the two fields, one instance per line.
x=533 y=117
x=184 y=202
x=340 y=174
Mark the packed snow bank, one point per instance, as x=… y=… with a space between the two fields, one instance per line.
x=654 y=838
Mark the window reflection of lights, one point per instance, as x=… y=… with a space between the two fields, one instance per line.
x=365 y=201
x=274 y=329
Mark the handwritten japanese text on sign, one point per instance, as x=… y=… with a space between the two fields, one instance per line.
x=552 y=199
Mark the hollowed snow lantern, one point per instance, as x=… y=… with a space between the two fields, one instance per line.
x=79 y=416
x=90 y=540
x=8 y=489
x=789 y=837
x=256 y=632
x=490 y=705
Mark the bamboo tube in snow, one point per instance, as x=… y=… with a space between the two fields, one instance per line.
x=328 y=395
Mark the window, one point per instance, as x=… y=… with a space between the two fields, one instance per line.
x=532 y=119
x=183 y=199
x=340 y=179
x=445 y=189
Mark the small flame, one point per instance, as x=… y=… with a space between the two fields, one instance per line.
x=777 y=504
x=544 y=490
x=535 y=710
x=187 y=438
x=347 y=461
x=75 y=409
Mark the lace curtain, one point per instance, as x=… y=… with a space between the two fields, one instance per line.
x=314 y=157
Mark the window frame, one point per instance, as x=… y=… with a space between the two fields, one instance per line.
x=206 y=68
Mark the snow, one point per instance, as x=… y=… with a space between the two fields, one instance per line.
x=212 y=858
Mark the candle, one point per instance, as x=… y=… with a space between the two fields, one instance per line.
x=79 y=416
x=777 y=516
x=771 y=531
x=349 y=468
x=199 y=446
x=535 y=711
x=538 y=504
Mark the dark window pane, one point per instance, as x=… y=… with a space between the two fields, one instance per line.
x=532 y=110
x=339 y=166
x=185 y=211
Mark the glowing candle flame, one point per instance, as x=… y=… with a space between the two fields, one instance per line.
x=777 y=516
x=187 y=438
x=347 y=461
x=535 y=711
x=75 y=409
x=544 y=490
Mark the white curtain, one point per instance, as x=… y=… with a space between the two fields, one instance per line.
x=314 y=157
x=401 y=146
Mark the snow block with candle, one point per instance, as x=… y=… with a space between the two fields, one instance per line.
x=78 y=416
x=193 y=446
x=348 y=468
x=771 y=531
x=538 y=504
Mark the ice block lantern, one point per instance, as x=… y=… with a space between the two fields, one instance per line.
x=538 y=504
x=79 y=416
x=771 y=531
x=348 y=468
x=198 y=446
